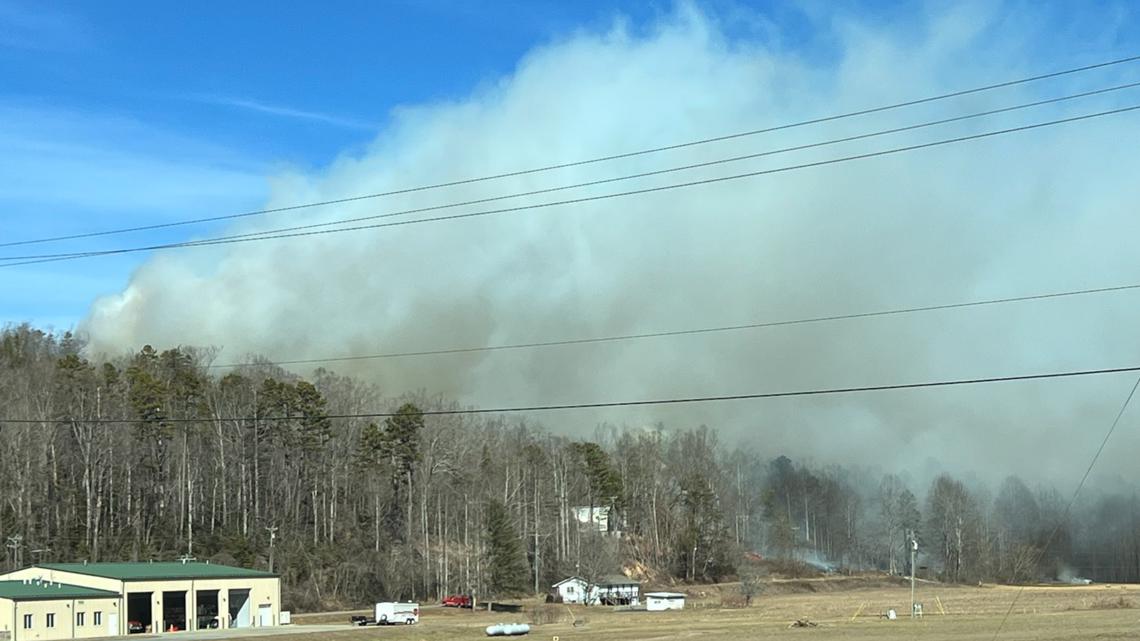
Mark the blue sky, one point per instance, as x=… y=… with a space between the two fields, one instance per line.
x=124 y=113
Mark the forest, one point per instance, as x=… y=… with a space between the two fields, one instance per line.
x=352 y=495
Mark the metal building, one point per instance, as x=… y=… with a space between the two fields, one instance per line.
x=45 y=610
x=156 y=596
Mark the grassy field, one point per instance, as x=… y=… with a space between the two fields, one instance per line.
x=952 y=612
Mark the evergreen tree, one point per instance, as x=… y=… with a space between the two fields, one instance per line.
x=508 y=571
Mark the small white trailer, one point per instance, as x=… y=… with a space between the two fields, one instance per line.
x=658 y=601
x=396 y=613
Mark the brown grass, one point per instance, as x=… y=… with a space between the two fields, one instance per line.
x=971 y=613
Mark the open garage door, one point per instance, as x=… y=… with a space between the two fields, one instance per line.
x=139 y=613
x=206 y=616
x=173 y=611
x=240 y=615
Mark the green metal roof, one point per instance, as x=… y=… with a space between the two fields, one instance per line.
x=44 y=591
x=158 y=571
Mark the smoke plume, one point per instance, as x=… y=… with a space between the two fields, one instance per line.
x=1039 y=211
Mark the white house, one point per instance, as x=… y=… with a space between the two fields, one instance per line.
x=616 y=589
x=610 y=590
x=571 y=590
x=603 y=519
x=658 y=601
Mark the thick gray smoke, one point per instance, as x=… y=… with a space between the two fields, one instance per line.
x=1039 y=211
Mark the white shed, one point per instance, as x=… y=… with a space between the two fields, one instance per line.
x=657 y=601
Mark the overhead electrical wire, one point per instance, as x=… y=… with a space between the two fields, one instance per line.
x=689 y=332
x=687 y=400
x=646 y=174
x=578 y=163
x=276 y=234
x=1072 y=501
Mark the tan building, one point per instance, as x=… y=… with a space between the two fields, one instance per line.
x=165 y=596
x=47 y=610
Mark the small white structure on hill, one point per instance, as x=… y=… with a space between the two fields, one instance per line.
x=658 y=601
x=602 y=519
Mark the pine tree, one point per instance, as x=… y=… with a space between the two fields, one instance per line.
x=508 y=570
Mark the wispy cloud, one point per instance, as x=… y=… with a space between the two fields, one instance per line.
x=284 y=111
x=72 y=171
x=38 y=27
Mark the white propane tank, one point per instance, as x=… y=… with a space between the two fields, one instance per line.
x=508 y=629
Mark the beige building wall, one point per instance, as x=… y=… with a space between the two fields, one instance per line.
x=65 y=626
x=264 y=598
x=7 y=624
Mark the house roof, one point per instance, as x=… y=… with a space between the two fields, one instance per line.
x=45 y=591
x=165 y=570
x=569 y=579
x=665 y=595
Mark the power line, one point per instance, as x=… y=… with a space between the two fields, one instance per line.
x=578 y=163
x=46 y=258
x=479 y=201
x=691 y=331
x=647 y=174
x=688 y=400
x=1073 y=500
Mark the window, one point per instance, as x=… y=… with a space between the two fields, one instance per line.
x=51 y=620
x=97 y=618
x=79 y=616
x=27 y=622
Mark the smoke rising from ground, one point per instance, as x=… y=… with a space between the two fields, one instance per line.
x=1035 y=212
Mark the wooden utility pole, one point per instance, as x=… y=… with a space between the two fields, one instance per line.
x=272 y=537
x=14 y=544
x=913 y=553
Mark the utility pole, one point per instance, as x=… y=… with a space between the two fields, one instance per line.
x=913 y=552
x=14 y=544
x=272 y=537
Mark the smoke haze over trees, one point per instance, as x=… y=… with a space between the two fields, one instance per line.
x=993 y=218
x=416 y=506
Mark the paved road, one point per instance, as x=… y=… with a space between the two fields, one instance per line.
x=242 y=633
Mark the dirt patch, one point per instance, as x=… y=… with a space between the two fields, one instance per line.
x=833 y=584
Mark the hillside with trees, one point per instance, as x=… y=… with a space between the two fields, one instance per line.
x=160 y=455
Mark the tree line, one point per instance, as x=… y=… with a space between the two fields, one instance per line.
x=257 y=466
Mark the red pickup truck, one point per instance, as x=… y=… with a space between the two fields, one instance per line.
x=457 y=601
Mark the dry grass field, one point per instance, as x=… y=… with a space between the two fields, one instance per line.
x=952 y=612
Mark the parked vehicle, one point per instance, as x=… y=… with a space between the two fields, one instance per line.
x=360 y=619
x=395 y=613
x=457 y=601
x=135 y=627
